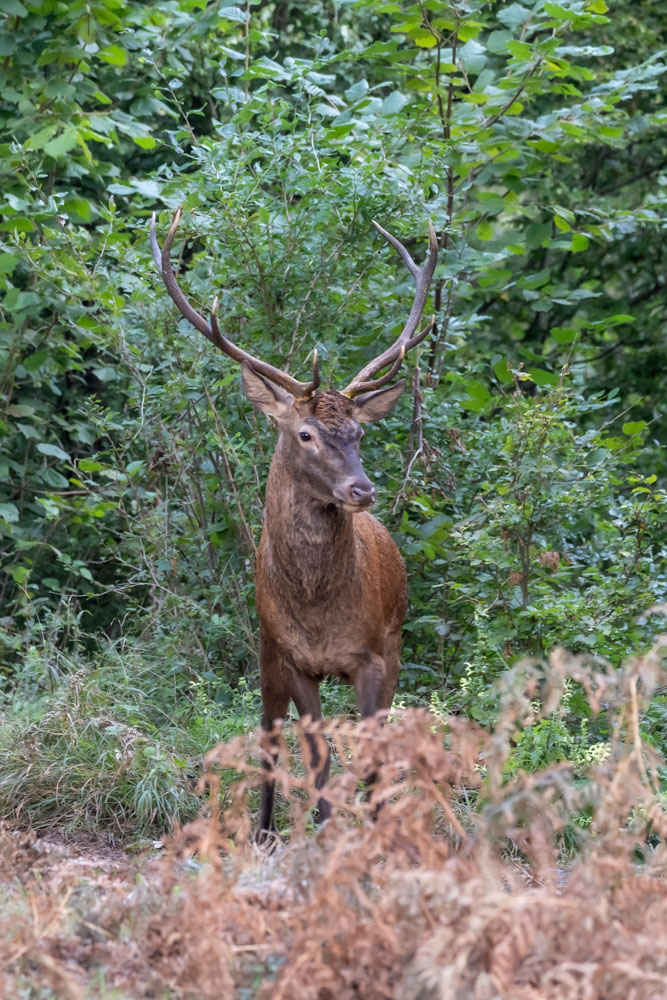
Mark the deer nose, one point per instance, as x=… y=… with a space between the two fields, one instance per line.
x=361 y=492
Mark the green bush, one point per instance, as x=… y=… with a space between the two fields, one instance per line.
x=524 y=473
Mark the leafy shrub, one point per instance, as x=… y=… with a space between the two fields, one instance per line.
x=131 y=470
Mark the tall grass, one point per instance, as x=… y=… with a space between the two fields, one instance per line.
x=117 y=745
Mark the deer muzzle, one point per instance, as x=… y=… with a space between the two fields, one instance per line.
x=356 y=494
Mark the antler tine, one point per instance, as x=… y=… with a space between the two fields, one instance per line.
x=155 y=246
x=162 y=258
x=407 y=338
x=399 y=248
x=377 y=383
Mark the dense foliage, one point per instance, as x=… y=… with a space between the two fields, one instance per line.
x=523 y=475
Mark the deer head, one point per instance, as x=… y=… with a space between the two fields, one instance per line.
x=320 y=431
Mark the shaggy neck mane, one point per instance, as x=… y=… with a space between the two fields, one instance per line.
x=311 y=543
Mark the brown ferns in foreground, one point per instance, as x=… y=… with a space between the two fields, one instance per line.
x=449 y=882
x=426 y=897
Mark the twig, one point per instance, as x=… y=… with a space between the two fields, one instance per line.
x=416 y=431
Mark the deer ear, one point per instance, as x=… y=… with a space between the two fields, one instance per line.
x=375 y=405
x=264 y=395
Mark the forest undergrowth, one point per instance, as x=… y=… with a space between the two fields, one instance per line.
x=453 y=876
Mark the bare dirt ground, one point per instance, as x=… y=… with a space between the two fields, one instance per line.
x=64 y=912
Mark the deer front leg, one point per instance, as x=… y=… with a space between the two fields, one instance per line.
x=307 y=701
x=275 y=700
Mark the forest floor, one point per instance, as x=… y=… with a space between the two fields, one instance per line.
x=64 y=903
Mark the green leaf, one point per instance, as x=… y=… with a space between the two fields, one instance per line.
x=611 y=132
x=54 y=451
x=479 y=396
x=326 y=110
x=502 y=371
x=35 y=361
x=19 y=573
x=147 y=186
x=538 y=233
x=357 y=90
x=468 y=30
x=634 y=427
x=521 y=50
x=425 y=39
x=494 y=276
x=8 y=262
x=379 y=49
x=484 y=231
x=557 y=12
x=9 y=513
x=40 y=139
x=233 y=13
x=473 y=56
x=579 y=242
x=405 y=27
x=18 y=223
x=145 y=141
x=514 y=15
x=562 y=224
x=563 y=334
x=78 y=207
x=114 y=55
x=497 y=41
x=620 y=318
x=543 y=378
x=105 y=373
x=393 y=104
x=339 y=131
x=14 y=7
x=62 y=144
x=267 y=69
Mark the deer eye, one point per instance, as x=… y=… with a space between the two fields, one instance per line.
x=305 y=436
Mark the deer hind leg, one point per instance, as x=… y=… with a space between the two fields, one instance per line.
x=392 y=660
x=370 y=683
x=307 y=700
x=275 y=700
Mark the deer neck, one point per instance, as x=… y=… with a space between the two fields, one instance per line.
x=311 y=543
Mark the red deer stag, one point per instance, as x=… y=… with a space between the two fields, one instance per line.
x=330 y=584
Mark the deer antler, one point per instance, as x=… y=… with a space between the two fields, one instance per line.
x=407 y=338
x=162 y=258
